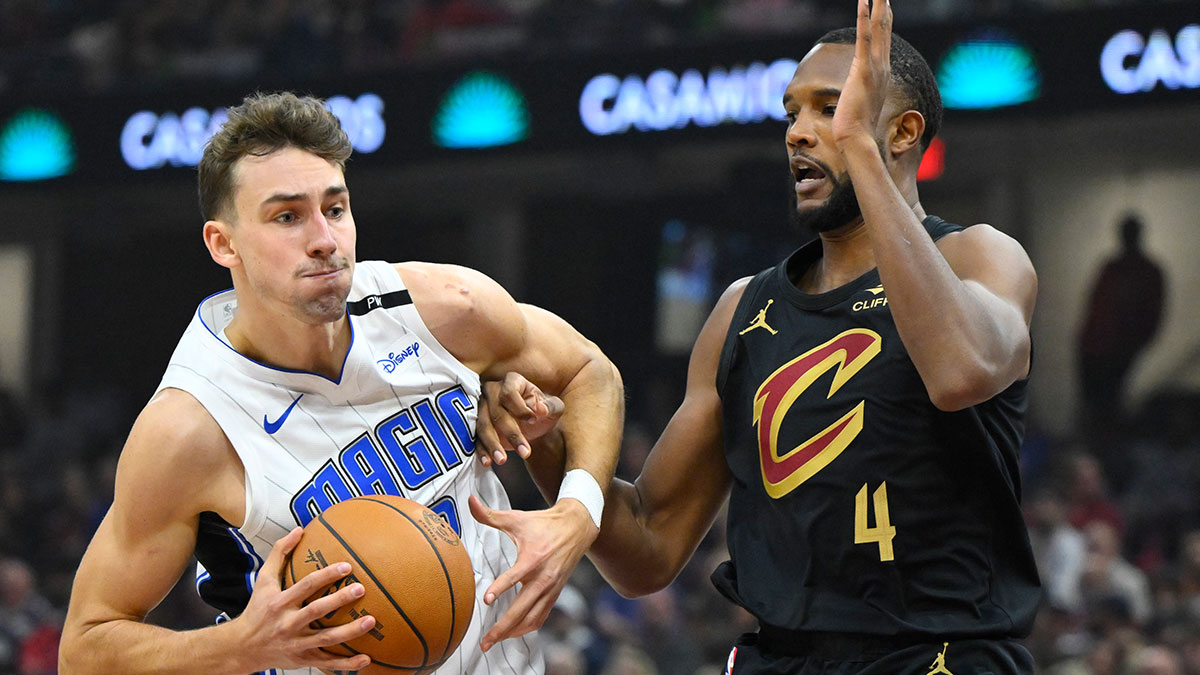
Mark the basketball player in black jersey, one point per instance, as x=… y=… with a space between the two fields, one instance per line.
x=861 y=405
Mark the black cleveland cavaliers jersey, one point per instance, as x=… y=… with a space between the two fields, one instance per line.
x=857 y=506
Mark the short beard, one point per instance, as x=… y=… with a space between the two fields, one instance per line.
x=839 y=210
x=331 y=306
x=325 y=309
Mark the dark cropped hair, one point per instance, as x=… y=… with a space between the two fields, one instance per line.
x=911 y=72
x=262 y=124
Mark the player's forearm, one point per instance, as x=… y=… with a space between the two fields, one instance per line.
x=131 y=648
x=629 y=554
x=626 y=552
x=593 y=420
x=956 y=343
x=546 y=463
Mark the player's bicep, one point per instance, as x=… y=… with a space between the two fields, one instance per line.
x=127 y=570
x=164 y=478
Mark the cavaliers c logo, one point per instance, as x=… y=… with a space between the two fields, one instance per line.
x=847 y=352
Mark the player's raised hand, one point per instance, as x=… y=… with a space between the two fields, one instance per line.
x=513 y=412
x=276 y=627
x=861 y=101
x=549 y=545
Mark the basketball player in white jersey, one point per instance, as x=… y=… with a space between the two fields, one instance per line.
x=315 y=379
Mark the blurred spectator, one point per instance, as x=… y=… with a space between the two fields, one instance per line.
x=1189 y=575
x=661 y=624
x=628 y=659
x=563 y=659
x=1160 y=502
x=29 y=625
x=1087 y=495
x=568 y=628
x=1123 y=314
x=1114 y=590
x=1060 y=550
x=1156 y=660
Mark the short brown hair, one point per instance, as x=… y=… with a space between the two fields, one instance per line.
x=262 y=124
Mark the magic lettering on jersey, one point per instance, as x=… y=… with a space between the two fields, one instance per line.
x=848 y=353
x=404 y=451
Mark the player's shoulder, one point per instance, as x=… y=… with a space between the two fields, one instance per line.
x=719 y=319
x=470 y=314
x=175 y=415
x=734 y=292
x=177 y=447
x=983 y=244
x=453 y=289
x=978 y=237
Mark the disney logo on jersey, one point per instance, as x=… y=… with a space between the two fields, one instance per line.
x=878 y=300
x=848 y=353
x=394 y=359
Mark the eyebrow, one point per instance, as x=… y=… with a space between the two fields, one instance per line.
x=299 y=196
x=827 y=92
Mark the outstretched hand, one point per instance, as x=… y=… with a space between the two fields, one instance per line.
x=860 y=104
x=512 y=413
x=549 y=546
x=277 y=627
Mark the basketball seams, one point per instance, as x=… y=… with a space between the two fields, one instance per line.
x=387 y=594
x=428 y=664
x=445 y=572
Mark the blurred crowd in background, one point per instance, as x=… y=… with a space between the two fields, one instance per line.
x=1113 y=508
x=102 y=45
x=1114 y=518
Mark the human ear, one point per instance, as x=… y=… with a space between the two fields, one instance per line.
x=905 y=133
x=218 y=238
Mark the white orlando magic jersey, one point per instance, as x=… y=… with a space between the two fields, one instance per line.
x=399 y=420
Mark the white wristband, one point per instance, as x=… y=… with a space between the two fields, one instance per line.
x=579 y=485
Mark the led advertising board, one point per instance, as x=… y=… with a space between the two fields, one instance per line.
x=1063 y=63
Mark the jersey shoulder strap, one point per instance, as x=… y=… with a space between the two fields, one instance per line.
x=741 y=317
x=938 y=228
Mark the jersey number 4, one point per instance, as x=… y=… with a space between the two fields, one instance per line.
x=884 y=532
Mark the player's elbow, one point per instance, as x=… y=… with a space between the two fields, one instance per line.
x=640 y=584
x=71 y=653
x=953 y=399
x=961 y=388
x=84 y=646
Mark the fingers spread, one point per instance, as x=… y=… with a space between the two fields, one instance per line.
x=527 y=613
x=501 y=520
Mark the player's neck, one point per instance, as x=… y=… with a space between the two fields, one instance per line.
x=846 y=255
x=284 y=342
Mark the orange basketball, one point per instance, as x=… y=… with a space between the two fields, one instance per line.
x=419 y=583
